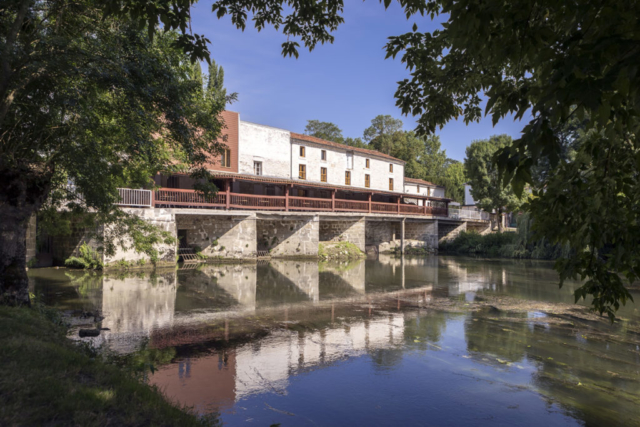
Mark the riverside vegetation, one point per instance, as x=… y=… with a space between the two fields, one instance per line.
x=518 y=244
x=46 y=379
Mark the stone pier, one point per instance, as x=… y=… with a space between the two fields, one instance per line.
x=336 y=229
x=225 y=236
x=288 y=235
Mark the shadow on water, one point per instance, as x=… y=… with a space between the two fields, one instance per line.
x=386 y=341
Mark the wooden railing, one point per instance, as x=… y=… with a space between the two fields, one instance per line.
x=173 y=197
x=351 y=206
x=384 y=207
x=178 y=197
x=309 y=204
x=137 y=198
x=257 y=202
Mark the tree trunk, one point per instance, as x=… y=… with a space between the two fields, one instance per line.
x=499 y=220
x=21 y=195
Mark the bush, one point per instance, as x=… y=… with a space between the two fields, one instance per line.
x=520 y=244
x=89 y=259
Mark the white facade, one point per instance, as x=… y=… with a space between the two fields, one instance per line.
x=423 y=189
x=468 y=199
x=339 y=161
x=266 y=145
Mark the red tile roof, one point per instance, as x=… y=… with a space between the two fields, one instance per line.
x=421 y=182
x=344 y=146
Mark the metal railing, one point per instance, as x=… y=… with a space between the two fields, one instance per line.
x=137 y=198
x=468 y=214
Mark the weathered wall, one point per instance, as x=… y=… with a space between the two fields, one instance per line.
x=425 y=232
x=449 y=231
x=64 y=246
x=220 y=236
x=303 y=274
x=336 y=165
x=377 y=232
x=161 y=218
x=271 y=146
x=344 y=231
x=289 y=237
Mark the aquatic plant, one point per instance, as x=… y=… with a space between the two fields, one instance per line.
x=88 y=259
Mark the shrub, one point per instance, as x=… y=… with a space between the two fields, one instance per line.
x=88 y=259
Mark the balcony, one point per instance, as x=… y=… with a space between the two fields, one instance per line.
x=170 y=197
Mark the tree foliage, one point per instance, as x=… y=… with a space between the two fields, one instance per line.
x=88 y=105
x=547 y=62
x=324 y=130
x=482 y=174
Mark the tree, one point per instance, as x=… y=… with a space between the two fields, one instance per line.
x=215 y=84
x=547 y=61
x=486 y=186
x=454 y=180
x=324 y=130
x=95 y=103
x=382 y=125
x=355 y=142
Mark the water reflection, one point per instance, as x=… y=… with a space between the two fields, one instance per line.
x=331 y=355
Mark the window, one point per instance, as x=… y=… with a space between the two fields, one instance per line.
x=347 y=178
x=302 y=152
x=390 y=184
x=257 y=168
x=349 y=160
x=226 y=158
x=418 y=189
x=323 y=174
x=367 y=181
x=323 y=155
x=367 y=163
x=301 y=192
x=302 y=172
x=390 y=167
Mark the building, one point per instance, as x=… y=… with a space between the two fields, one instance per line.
x=282 y=194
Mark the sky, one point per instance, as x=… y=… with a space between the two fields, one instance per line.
x=348 y=82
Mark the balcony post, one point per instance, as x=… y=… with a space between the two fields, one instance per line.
x=286 y=198
x=424 y=205
x=398 y=205
x=333 y=200
x=153 y=198
x=228 y=194
x=370 y=202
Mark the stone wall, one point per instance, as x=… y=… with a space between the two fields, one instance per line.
x=161 y=218
x=426 y=232
x=220 y=236
x=449 y=231
x=377 y=232
x=344 y=231
x=65 y=246
x=289 y=237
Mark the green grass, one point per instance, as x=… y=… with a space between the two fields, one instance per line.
x=328 y=250
x=45 y=379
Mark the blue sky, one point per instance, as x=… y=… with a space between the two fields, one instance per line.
x=348 y=82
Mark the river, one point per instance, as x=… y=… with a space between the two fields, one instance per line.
x=388 y=341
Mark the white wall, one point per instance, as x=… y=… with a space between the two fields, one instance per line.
x=411 y=188
x=271 y=146
x=336 y=165
x=468 y=200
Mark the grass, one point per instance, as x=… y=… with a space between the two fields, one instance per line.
x=45 y=379
x=331 y=250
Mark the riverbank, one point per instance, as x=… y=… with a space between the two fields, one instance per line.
x=45 y=379
x=500 y=245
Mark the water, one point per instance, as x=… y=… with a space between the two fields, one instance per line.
x=375 y=342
